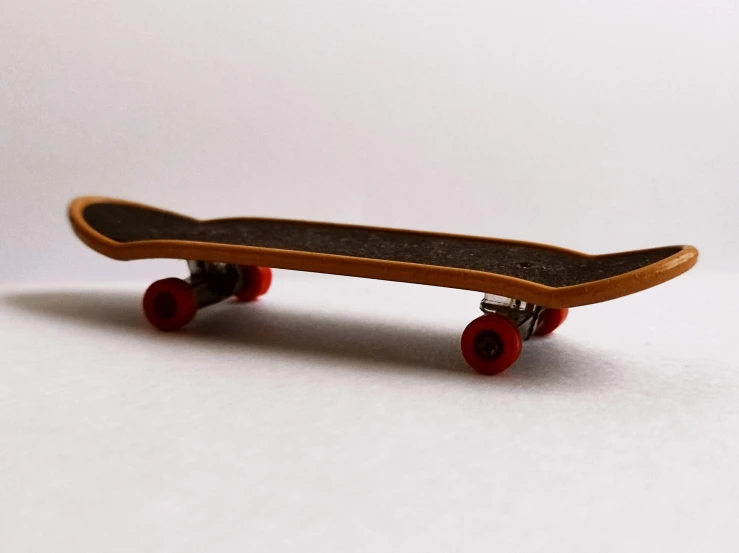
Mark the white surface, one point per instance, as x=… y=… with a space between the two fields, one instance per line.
x=593 y=125
x=295 y=424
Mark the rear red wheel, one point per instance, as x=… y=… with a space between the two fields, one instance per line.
x=170 y=304
x=549 y=321
x=257 y=281
x=491 y=344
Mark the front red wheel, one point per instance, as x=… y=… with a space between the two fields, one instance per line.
x=257 y=281
x=491 y=344
x=170 y=304
x=550 y=320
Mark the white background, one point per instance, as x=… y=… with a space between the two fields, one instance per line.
x=593 y=125
x=336 y=414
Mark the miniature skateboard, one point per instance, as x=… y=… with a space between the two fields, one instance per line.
x=528 y=288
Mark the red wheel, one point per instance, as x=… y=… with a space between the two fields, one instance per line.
x=257 y=281
x=170 y=304
x=550 y=320
x=491 y=344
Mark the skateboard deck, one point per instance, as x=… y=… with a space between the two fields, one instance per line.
x=545 y=275
x=528 y=287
